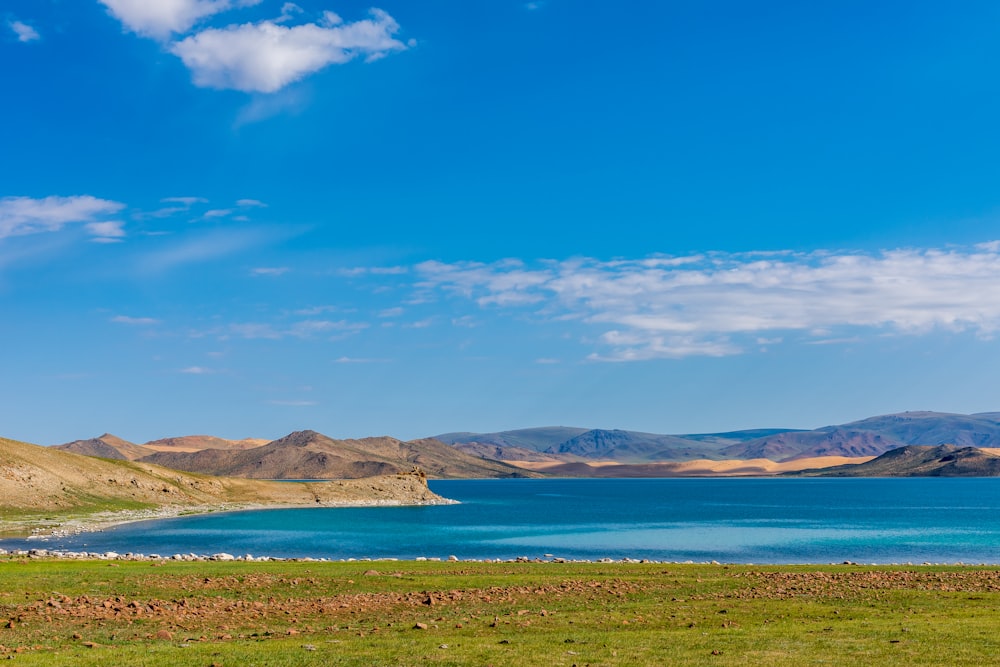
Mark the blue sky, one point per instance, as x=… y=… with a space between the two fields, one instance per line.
x=246 y=217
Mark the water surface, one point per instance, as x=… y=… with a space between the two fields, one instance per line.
x=729 y=520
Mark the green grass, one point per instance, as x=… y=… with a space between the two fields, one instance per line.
x=17 y=522
x=365 y=613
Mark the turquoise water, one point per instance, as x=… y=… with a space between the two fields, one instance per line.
x=729 y=520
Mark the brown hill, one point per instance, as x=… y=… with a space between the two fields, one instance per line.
x=106 y=446
x=36 y=479
x=793 y=445
x=922 y=461
x=196 y=443
x=312 y=455
x=505 y=453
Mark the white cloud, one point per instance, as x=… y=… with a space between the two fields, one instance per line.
x=24 y=32
x=160 y=18
x=106 y=232
x=722 y=303
x=372 y=270
x=20 y=216
x=217 y=213
x=267 y=56
x=288 y=12
x=318 y=310
x=197 y=370
x=359 y=360
x=309 y=328
x=253 y=203
x=304 y=329
x=135 y=321
x=270 y=271
x=184 y=201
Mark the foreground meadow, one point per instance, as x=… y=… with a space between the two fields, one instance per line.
x=56 y=612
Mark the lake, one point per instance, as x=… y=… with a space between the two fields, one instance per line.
x=763 y=520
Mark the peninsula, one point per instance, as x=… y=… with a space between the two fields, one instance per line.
x=43 y=489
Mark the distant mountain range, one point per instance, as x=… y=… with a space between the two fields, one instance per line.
x=561 y=450
x=869 y=437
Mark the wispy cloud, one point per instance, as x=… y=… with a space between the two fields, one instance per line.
x=270 y=271
x=24 y=32
x=720 y=303
x=106 y=232
x=356 y=271
x=203 y=247
x=197 y=370
x=135 y=321
x=361 y=360
x=303 y=329
x=250 y=203
x=20 y=216
x=184 y=201
x=318 y=310
x=267 y=56
x=160 y=18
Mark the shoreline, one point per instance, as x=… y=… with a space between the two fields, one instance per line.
x=100 y=521
x=63 y=554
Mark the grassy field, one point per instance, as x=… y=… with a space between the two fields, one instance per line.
x=408 y=613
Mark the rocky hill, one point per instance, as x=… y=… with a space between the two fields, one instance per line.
x=537 y=439
x=500 y=453
x=921 y=461
x=196 y=443
x=633 y=446
x=106 y=446
x=934 y=428
x=312 y=455
x=36 y=479
x=810 y=444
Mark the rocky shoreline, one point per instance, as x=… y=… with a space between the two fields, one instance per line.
x=59 y=554
x=66 y=527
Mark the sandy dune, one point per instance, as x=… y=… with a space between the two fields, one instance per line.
x=699 y=467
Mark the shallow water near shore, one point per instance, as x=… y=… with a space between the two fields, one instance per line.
x=729 y=520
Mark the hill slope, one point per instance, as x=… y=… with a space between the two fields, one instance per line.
x=921 y=461
x=312 y=455
x=34 y=478
x=106 y=446
x=633 y=446
x=934 y=428
x=810 y=444
x=537 y=439
x=195 y=443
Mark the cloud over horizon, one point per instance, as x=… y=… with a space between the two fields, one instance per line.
x=719 y=304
